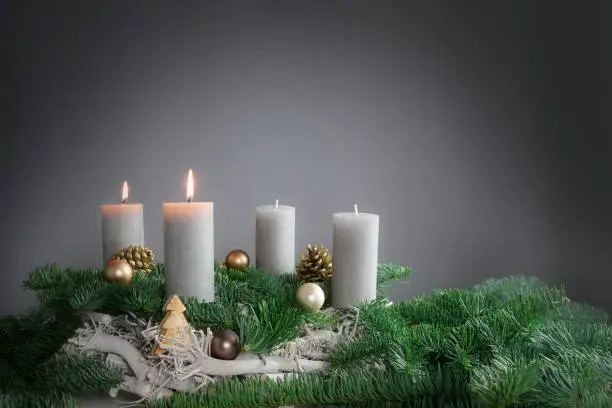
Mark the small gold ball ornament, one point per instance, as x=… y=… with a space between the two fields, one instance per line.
x=311 y=296
x=237 y=259
x=118 y=271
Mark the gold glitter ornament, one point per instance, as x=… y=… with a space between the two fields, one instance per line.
x=237 y=259
x=118 y=271
x=311 y=296
x=315 y=265
x=140 y=258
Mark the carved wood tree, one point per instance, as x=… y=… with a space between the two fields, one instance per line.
x=173 y=326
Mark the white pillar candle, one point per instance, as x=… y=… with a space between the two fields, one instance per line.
x=122 y=225
x=275 y=238
x=189 y=253
x=355 y=258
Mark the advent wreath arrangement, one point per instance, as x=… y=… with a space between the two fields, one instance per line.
x=509 y=342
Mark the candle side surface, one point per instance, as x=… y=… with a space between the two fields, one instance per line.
x=275 y=238
x=122 y=225
x=189 y=250
x=355 y=258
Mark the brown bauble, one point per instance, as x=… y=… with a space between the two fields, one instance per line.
x=237 y=259
x=118 y=271
x=225 y=345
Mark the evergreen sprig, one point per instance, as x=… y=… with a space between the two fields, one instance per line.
x=372 y=390
x=33 y=370
x=511 y=342
x=391 y=272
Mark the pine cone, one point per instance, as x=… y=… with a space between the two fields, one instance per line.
x=139 y=257
x=315 y=265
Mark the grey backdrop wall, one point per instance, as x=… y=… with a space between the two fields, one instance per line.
x=477 y=132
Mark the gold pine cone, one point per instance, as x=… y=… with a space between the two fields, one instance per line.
x=315 y=265
x=140 y=258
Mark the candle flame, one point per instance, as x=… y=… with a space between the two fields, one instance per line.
x=190 y=186
x=356 y=210
x=276 y=204
x=125 y=193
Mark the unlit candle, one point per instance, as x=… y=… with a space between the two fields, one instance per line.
x=275 y=238
x=355 y=258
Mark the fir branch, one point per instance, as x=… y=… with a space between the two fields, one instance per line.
x=75 y=373
x=321 y=320
x=268 y=324
x=388 y=272
x=213 y=315
x=581 y=314
x=47 y=277
x=256 y=283
x=503 y=288
x=505 y=381
x=447 y=307
x=557 y=338
x=375 y=389
x=371 y=351
x=576 y=379
x=467 y=347
x=375 y=316
x=536 y=304
x=28 y=342
x=143 y=298
x=21 y=399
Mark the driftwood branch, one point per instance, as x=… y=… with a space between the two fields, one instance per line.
x=249 y=363
x=151 y=382
x=186 y=367
x=105 y=343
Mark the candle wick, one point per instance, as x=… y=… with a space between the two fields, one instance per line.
x=356 y=211
x=188 y=199
x=276 y=204
x=124 y=201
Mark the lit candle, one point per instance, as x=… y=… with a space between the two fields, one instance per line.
x=189 y=247
x=122 y=225
x=355 y=258
x=275 y=238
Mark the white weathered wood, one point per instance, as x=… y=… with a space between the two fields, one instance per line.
x=150 y=381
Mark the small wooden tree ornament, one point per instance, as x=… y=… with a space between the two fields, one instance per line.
x=174 y=325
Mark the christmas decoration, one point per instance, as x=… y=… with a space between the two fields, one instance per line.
x=173 y=326
x=237 y=259
x=140 y=258
x=118 y=271
x=315 y=265
x=506 y=342
x=311 y=296
x=225 y=345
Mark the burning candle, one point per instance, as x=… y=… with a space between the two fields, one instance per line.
x=122 y=225
x=355 y=258
x=275 y=238
x=189 y=253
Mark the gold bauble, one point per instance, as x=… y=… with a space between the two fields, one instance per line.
x=311 y=296
x=237 y=259
x=118 y=271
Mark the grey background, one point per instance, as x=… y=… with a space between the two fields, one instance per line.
x=478 y=132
